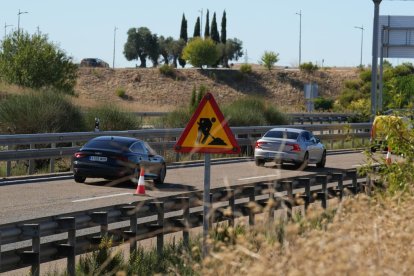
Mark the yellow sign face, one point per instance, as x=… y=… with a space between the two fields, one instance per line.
x=207 y=131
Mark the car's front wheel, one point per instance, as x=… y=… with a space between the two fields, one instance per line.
x=161 y=176
x=79 y=178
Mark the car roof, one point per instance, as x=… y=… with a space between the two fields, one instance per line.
x=289 y=129
x=122 y=139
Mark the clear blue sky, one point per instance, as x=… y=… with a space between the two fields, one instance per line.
x=85 y=28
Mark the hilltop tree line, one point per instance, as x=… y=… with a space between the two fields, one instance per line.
x=213 y=49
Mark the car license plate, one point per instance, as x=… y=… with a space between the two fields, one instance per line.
x=98 y=158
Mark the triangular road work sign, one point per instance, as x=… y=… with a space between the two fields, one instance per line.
x=207 y=131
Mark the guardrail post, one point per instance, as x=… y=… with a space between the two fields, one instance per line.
x=231 y=195
x=272 y=202
x=33 y=256
x=353 y=175
x=0 y=250
x=100 y=218
x=251 y=191
x=305 y=182
x=323 y=195
x=288 y=186
x=69 y=249
x=185 y=201
x=52 y=160
x=159 y=205
x=31 y=161
x=8 y=164
x=130 y=211
x=339 y=190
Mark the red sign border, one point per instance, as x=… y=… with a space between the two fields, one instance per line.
x=207 y=98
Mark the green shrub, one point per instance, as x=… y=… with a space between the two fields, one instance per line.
x=167 y=70
x=353 y=84
x=38 y=113
x=111 y=118
x=120 y=92
x=175 y=119
x=308 y=67
x=246 y=68
x=323 y=104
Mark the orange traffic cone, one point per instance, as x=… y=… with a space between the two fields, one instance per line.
x=388 y=157
x=141 y=184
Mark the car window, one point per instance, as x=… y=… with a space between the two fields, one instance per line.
x=107 y=145
x=281 y=134
x=150 y=150
x=306 y=136
x=138 y=148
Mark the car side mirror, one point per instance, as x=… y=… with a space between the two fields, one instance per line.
x=318 y=140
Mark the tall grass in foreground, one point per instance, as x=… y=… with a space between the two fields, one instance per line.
x=111 y=117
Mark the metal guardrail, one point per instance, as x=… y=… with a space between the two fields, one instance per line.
x=56 y=237
x=57 y=145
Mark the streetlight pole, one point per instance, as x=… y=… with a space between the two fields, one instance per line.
x=362 y=41
x=18 y=20
x=374 y=72
x=5 y=28
x=113 y=58
x=201 y=22
x=300 y=36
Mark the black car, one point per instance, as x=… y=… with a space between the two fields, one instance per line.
x=115 y=157
x=93 y=62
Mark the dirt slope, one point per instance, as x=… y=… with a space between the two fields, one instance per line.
x=149 y=90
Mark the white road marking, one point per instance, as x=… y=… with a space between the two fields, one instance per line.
x=256 y=177
x=100 y=197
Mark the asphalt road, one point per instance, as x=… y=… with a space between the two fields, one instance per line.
x=34 y=200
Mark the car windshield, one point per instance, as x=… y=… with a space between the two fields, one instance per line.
x=108 y=145
x=281 y=134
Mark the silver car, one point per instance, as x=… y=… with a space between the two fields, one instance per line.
x=290 y=145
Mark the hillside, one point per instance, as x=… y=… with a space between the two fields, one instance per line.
x=148 y=90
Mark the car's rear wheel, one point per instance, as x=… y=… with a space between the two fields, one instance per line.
x=302 y=165
x=161 y=176
x=321 y=164
x=259 y=162
x=79 y=178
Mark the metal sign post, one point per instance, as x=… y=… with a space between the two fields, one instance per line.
x=206 y=202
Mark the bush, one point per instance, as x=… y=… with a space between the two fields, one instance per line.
x=269 y=59
x=39 y=113
x=167 y=70
x=308 y=67
x=323 y=104
x=120 y=92
x=111 y=118
x=199 y=52
x=246 y=69
x=175 y=119
x=34 y=62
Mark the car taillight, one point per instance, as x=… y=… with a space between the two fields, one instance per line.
x=295 y=147
x=79 y=155
x=259 y=144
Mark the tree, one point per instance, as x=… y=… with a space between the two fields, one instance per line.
x=177 y=47
x=214 y=31
x=199 y=52
x=139 y=45
x=153 y=49
x=165 y=48
x=184 y=37
x=231 y=50
x=224 y=28
x=207 y=28
x=32 y=61
x=269 y=59
x=197 y=30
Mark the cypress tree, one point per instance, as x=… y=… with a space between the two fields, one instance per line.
x=207 y=29
x=214 y=31
x=224 y=28
x=183 y=30
x=183 y=36
x=197 y=31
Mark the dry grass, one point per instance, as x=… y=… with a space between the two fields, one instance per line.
x=367 y=237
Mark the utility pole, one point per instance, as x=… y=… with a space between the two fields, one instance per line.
x=113 y=58
x=362 y=42
x=18 y=20
x=300 y=36
x=374 y=72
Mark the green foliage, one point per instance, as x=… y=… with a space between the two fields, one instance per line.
x=199 y=52
x=365 y=76
x=140 y=45
x=207 y=25
x=197 y=28
x=39 y=113
x=34 y=62
x=353 y=84
x=111 y=118
x=103 y=261
x=269 y=59
x=120 y=92
x=349 y=95
x=167 y=70
x=174 y=119
x=308 y=67
x=323 y=104
x=214 y=31
x=252 y=112
x=223 y=31
x=246 y=68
